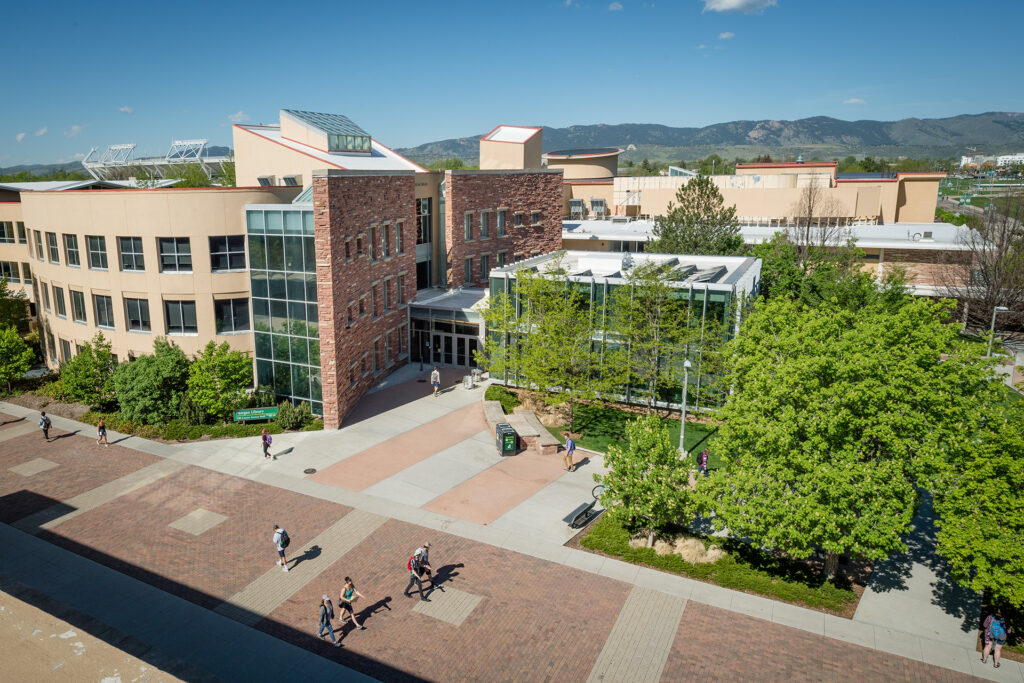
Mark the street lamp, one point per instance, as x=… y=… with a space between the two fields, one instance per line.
x=992 y=327
x=682 y=429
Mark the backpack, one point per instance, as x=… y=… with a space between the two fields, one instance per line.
x=285 y=539
x=408 y=565
x=44 y=422
x=269 y=439
x=997 y=630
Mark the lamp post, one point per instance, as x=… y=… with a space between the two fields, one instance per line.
x=992 y=327
x=682 y=427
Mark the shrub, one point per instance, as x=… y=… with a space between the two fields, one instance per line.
x=218 y=379
x=150 y=388
x=293 y=417
x=55 y=390
x=88 y=377
x=508 y=400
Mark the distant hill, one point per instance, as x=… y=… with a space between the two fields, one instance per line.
x=819 y=135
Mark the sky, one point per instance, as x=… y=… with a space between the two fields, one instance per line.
x=82 y=75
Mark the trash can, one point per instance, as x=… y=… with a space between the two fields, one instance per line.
x=467 y=381
x=505 y=438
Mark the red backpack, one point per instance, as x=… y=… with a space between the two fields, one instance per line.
x=408 y=565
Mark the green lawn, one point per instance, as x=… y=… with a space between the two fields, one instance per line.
x=743 y=568
x=601 y=427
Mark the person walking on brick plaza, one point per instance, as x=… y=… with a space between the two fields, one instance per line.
x=349 y=594
x=326 y=614
x=426 y=571
x=101 y=433
x=996 y=630
x=281 y=541
x=44 y=424
x=266 y=440
x=570 y=448
x=435 y=380
x=416 y=575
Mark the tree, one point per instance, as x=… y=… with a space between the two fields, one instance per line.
x=88 y=377
x=15 y=356
x=816 y=227
x=227 y=176
x=13 y=307
x=836 y=416
x=150 y=388
x=447 y=164
x=698 y=223
x=218 y=378
x=981 y=511
x=646 y=486
x=190 y=175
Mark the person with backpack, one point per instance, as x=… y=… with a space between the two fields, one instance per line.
x=266 y=440
x=44 y=424
x=570 y=448
x=415 y=567
x=281 y=541
x=326 y=614
x=996 y=631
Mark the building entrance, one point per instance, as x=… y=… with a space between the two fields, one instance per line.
x=454 y=349
x=448 y=343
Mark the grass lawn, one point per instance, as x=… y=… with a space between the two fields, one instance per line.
x=600 y=427
x=743 y=568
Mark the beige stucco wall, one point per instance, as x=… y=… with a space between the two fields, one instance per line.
x=10 y=212
x=587 y=192
x=256 y=156
x=294 y=130
x=917 y=198
x=586 y=167
x=502 y=156
x=149 y=214
x=828 y=169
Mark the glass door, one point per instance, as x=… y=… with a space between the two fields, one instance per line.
x=460 y=351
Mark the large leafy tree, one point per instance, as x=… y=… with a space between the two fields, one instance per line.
x=837 y=416
x=646 y=483
x=15 y=356
x=698 y=222
x=89 y=376
x=150 y=388
x=218 y=378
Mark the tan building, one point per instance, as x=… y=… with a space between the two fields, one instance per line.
x=511 y=148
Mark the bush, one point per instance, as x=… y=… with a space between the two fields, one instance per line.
x=509 y=400
x=89 y=377
x=293 y=417
x=150 y=388
x=55 y=390
x=218 y=379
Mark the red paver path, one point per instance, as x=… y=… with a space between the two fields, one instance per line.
x=366 y=468
x=716 y=644
x=11 y=421
x=536 y=621
x=490 y=494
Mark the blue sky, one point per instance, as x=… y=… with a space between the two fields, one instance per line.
x=91 y=74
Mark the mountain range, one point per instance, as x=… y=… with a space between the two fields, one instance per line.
x=992 y=132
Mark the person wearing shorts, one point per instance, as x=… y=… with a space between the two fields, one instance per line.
x=993 y=642
x=349 y=594
x=435 y=380
x=279 y=534
x=101 y=433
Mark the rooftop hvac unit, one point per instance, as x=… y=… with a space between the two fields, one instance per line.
x=577 y=209
x=266 y=180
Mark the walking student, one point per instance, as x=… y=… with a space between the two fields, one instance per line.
x=281 y=541
x=415 y=575
x=101 y=433
x=435 y=380
x=326 y=614
x=426 y=571
x=996 y=631
x=570 y=448
x=349 y=594
x=44 y=424
x=702 y=461
x=266 y=440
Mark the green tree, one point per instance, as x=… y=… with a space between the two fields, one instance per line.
x=227 y=177
x=89 y=377
x=698 y=223
x=190 y=175
x=13 y=307
x=836 y=416
x=448 y=164
x=646 y=486
x=15 y=356
x=218 y=378
x=150 y=388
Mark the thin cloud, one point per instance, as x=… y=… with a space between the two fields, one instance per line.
x=126 y=109
x=726 y=35
x=615 y=7
x=702 y=47
x=41 y=131
x=854 y=100
x=238 y=117
x=19 y=137
x=73 y=131
x=744 y=6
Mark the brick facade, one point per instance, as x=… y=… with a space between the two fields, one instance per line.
x=362 y=295
x=488 y=193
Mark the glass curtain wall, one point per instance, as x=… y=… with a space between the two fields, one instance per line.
x=282 y=272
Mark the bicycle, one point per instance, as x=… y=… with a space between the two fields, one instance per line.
x=597 y=491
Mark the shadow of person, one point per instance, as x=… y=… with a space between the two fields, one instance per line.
x=580 y=463
x=12 y=421
x=444 y=574
x=66 y=435
x=284 y=452
x=310 y=553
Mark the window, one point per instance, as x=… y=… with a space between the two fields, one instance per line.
x=71 y=250
x=501 y=224
x=348 y=250
x=386 y=239
x=103 y=306
x=483 y=226
x=468 y=271
x=469 y=227
x=78 y=306
x=39 y=244
x=399 y=247
x=266 y=181
x=58 y=302
x=232 y=315
x=136 y=314
x=519 y=219
x=22 y=237
x=374 y=301
x=376 y=355
x=181 y=317
x=65 y=350
x=501 y=259
x=373 y=243
x=50 y=346
x=97 y=252
x=175 y=255
x=46 y=296
x=351 y=317
x=400 y=291
x=387 y=295
x=362 y=306
x=6 y=232
x=131 y=253
x=535 y=217
x=26 y=272
x=424 y=234
x=359 y=246
x=484 y=271
x=9 y=270
x=51 y=245
x=227 y=253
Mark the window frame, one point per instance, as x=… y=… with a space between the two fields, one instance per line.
x=39 y=245
x=12 y=272
x=467 y=270
x=137 y=257
x=177 y=254
x=78 y=306
x=109 y=310
x=59 y=306
x=102 y=253
x=483 y=225
x=233 y=305
x=52 y=250
x=145 y=323
x=229 y=254
x=181 y=305
x=468 y=234
x=71 y=246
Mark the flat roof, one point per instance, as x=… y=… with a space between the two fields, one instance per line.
x=515 y=134
x=788 y=164
x=380 y=157
x=327 y=123
x=583 y=152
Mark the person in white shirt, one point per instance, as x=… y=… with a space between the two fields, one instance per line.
x=280 y=543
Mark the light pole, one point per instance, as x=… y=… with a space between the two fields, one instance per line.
x=992 y=327
x=682 y=427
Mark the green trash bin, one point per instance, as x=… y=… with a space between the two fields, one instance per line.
x=505 y=438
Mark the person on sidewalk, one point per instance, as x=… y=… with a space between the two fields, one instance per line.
x=101 y=433
x=326 y=614
x=415 y=575
x=281 y=541
x=435 y=380
x=996 y=630
x=349 y=594
x=266 y=440
x=44 y=424
x=426 y=571
x=570 y=448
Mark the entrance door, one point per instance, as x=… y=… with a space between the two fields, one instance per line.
x=460 y=351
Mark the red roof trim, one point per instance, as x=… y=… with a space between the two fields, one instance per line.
x=423 y=170
x=311 y=156
x=165 y=189
x=509 y=142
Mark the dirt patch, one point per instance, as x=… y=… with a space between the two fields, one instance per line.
x=553 y=415
x=72 y=411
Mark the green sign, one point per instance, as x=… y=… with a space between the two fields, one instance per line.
x=255 y=414
x=510 y=442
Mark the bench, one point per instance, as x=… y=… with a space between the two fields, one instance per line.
x=537 y=434
x=494 y=414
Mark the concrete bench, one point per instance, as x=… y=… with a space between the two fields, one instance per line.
x=494 y=414
x=539 y=437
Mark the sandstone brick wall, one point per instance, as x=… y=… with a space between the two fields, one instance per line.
x=350 y=286
x=511 y=193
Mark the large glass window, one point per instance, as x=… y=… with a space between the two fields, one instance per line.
x=22 y=237
x=227 y=252
x=137 y=314
x=181 y=317
x=103 y=306
x=501 y=224
x=131 y=253
x=483 y=226
x=9 y=270
x=71 y=250
x=97 y=252
x=78 y=306
x=175 y=255
x=58 y=302
x=232 y=315
x=6 y=232
x=424 y=218
x=51 y=246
